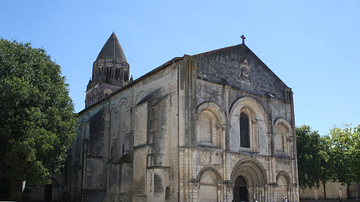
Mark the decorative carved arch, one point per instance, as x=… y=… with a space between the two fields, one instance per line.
x=122 y=101
x=212 y=169
x=107 y=91
x=113 y=108
x=285 y=175
x=213 y=107
x=100 y=65
x=285 y=123
x=253 y=106
x=252 y=170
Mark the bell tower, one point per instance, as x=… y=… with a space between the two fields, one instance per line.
x=110 y=72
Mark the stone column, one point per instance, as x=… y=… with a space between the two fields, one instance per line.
x=229 y=187
x=194 y=190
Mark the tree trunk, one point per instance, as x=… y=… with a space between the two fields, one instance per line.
x=324 y=190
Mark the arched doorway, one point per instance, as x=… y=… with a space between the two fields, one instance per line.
x=240 y=190
x=251 y=175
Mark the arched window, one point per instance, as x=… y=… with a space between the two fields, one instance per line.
x=244 y=131
x=167 y=193
x=126 y=76
x=109 y=72
x=121 y=75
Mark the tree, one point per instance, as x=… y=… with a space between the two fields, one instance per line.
x=37 y=119
x=344 y=154
x=308 y=156
x=326 y=172
x=313 y=158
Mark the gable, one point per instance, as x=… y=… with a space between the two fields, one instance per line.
x=240 y=68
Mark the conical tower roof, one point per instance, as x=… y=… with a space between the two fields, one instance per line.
x=112 y=49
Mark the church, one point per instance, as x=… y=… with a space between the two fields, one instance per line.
x=215 y=126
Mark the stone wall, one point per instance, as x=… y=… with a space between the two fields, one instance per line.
x=334 y=190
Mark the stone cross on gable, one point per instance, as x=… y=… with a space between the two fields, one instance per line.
x=243 y=39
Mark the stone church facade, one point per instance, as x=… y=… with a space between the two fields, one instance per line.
x=216 y=126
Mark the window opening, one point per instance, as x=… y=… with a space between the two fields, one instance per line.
x=244 y=131
x=167 y=193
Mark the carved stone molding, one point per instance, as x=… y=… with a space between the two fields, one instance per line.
x=245 y=67
x=194 y=184
x=229 y=186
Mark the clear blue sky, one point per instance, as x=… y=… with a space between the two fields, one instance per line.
x=313 y=46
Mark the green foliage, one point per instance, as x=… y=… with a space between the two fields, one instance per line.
x=312 y=158
x=37 y=120
x=335 y=156
x=326 y=172
x=345 y=153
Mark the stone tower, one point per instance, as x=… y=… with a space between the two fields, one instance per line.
x=110 y=72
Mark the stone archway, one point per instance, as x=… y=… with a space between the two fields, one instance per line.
x=249 y=180
x=282 y=188
x=208 y=180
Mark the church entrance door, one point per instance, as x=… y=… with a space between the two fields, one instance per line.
x=240 y=190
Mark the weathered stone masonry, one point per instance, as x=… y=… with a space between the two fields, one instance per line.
x=217 y=126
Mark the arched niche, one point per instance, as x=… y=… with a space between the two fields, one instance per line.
x=282 y=189
x=209 y=180
x=283 y=138
x=210 y=123
x=122 y=123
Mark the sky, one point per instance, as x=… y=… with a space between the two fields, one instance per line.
x=312 y=46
